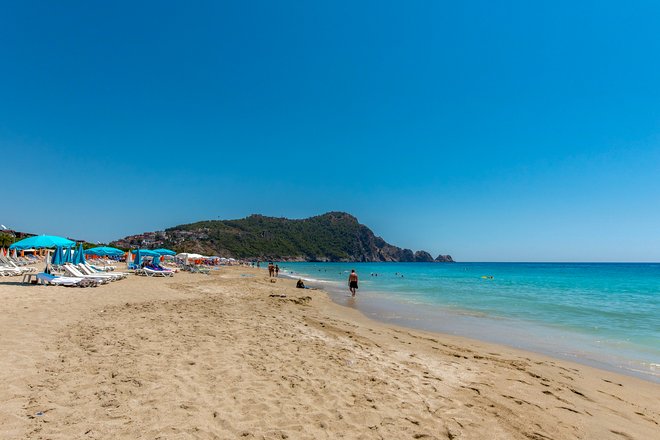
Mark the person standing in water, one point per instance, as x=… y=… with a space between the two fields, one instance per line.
x=353 y=282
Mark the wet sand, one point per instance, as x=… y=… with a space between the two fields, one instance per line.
x=232 y=355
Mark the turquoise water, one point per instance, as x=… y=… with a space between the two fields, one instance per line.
x=605 y=315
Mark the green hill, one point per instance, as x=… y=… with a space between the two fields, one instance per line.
x=334 y=236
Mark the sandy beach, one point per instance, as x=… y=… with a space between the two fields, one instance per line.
x=233 y=355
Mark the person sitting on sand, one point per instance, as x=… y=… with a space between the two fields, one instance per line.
x=352 y=282
x=300 y=284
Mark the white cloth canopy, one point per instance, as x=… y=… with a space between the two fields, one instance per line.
x=186 y=257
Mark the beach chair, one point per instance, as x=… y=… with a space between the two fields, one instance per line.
x=7 y=271
x=157 y=273
x=8 y=262
x=48 y=279
x=200 y=269
x=102 y=268
x=74 y=272
x=89 y=270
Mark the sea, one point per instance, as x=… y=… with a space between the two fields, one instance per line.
x=605 y=315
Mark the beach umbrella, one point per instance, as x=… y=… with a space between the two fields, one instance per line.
x=129 y=258
x=165 y=251
x=138 y=258
x=66 y=258
x=57 y=258
x=79 y=256
x=42 y=241
x=104 y=251
x=47 y=268
x=146 y=253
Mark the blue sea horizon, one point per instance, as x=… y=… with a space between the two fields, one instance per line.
x=605 y=315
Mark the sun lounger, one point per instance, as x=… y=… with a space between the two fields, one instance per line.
x=157 y=273
x=200 y=269
x=89 y=270
x=10 y=263
x=46 y=278
x=6 y=271
x=74 y=272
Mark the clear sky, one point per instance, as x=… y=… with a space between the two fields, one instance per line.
x=493 y=131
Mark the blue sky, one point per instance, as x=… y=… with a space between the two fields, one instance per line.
x=493 y=131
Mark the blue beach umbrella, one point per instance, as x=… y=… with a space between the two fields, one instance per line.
x=41 y=241
x=79 y=256
x=56 y=259
x=146 y=253
x=66 y=255
x=165 y=251
x=138 y=258
x=104 y=251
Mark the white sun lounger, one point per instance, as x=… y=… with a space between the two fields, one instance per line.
x=157 y=273
x=89 y=270
x=106 y=268
x=74 y=272
x=6 y=271
x=6 y=262
x=46 y=278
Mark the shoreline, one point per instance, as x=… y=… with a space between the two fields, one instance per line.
x=234 y=355
x=391 y=308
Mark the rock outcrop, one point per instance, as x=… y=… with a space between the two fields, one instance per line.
x=444 y=259
x=423 y=257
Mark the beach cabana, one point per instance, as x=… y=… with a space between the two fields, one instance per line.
x=140 y=253
x=42 y=241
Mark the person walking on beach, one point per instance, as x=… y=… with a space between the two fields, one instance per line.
x=352 y=282
x=277 y=270
x=271 y=269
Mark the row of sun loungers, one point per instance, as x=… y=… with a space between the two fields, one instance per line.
x=86 y=271
x=81 y=275
x=70 y=275
x=12 y=267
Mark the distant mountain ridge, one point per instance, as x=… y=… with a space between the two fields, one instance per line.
x=334 y=236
